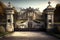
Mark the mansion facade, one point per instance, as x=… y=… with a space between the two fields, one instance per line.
x=29 y=12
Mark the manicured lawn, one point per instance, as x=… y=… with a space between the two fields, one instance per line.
x=54 y=34
x=4 y=33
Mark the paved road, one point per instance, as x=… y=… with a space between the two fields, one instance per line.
x=28 y=36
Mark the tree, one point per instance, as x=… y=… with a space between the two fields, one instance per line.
x=57 y=13
x=2 y=29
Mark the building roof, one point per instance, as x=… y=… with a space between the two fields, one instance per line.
x=49 y=7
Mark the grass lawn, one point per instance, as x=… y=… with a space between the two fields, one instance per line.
x=4 y=33
x=54 y=34
x=57 y=35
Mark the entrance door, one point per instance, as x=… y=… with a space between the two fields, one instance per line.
x=29 y=25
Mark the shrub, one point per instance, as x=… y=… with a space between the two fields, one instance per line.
x=2 y=29
x=58 y=28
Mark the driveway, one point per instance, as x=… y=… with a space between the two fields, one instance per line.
x=28 y=36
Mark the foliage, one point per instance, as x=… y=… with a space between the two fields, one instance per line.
x=57 y=13
x=2 y=7
x=2 y=29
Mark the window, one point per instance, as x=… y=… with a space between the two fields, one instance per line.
x=50 y=20
x=9 y=20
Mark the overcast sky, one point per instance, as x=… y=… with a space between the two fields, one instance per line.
x=41 y=4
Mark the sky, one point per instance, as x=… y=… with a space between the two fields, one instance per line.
x=41 y=4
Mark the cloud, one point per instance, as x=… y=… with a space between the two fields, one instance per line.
x=55 y=0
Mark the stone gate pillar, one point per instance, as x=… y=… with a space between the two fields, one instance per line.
x=9 y=15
